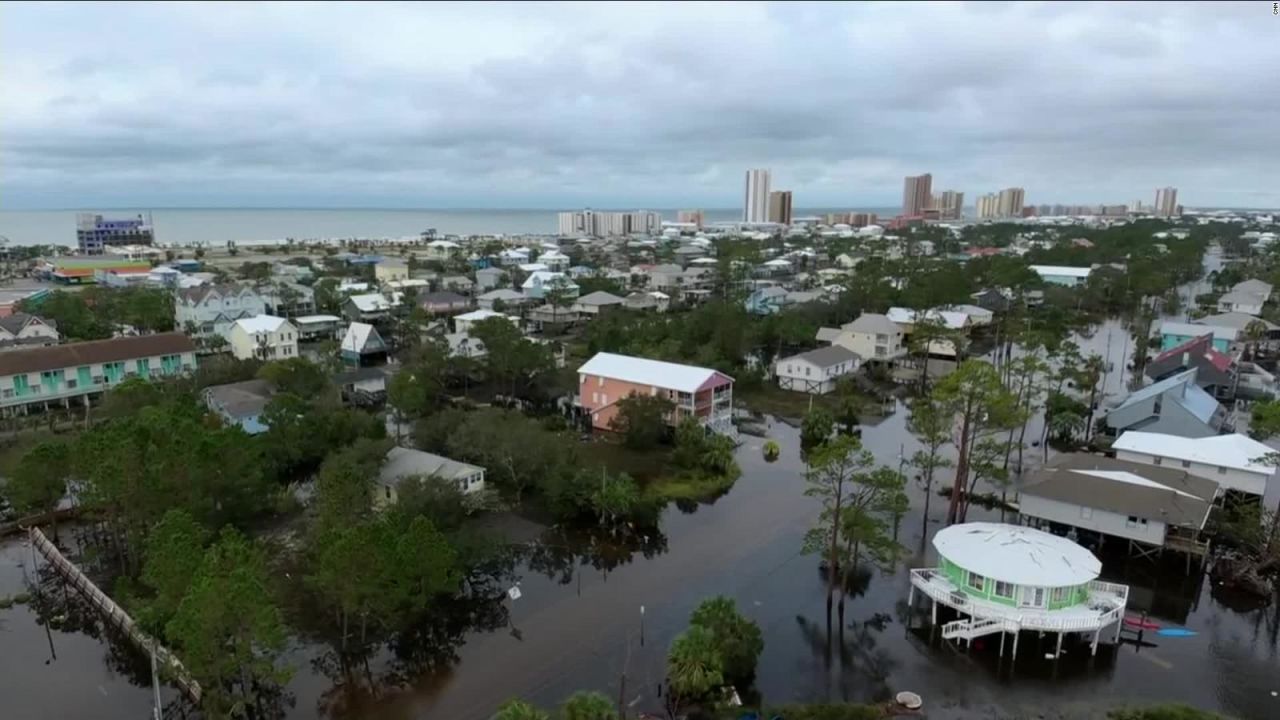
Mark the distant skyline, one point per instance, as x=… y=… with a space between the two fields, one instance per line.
x=548 y=106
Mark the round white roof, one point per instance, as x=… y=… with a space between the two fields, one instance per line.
x=1016 y=554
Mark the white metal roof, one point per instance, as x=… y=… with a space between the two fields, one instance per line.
x=951 y=319
x=1233 y=451
x=307 y=319
x=262 y=323
x=1016 y=554
x=1128 y=477
x=643 y=371
x=357 y=336
x=372 y=302
x=477 y=315
x=1061 y=270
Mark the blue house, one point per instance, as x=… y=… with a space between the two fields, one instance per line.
x=1173 y=334
x=1173 y=406
x=766 y=301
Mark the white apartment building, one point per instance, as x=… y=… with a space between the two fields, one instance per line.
x=755 y=199
x=265 y=337
x=1233 y=461
x=211 y=309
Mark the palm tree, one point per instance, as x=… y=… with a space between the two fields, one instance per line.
x=694 y=665
x=584 y=705
x=519 y=710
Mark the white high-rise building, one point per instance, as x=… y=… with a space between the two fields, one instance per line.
x=1166 y=202
x=755 y=201
x=609 y=224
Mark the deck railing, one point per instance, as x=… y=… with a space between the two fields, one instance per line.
x=1107 y=599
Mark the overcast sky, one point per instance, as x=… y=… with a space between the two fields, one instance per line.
x=524 y=105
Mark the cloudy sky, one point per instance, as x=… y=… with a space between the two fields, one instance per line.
x=525 y=105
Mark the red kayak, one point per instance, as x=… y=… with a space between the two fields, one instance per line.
x=1141 y=623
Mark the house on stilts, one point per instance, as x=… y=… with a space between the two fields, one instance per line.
x=1008 y=579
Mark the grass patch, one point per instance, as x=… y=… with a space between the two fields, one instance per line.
x=692 y=486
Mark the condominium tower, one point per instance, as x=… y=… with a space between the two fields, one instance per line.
x=917 y=194
x=780 y=207
x=755 y=201
x=1166 y=202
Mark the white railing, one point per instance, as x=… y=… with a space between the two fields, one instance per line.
x=1105 y=606
x=970 y=629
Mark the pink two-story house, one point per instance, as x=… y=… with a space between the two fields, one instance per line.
x=699 y=392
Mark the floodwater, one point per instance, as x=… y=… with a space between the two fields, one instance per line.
x=598 y=617
x=582 y=629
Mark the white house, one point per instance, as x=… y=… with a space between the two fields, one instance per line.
x=816 y=372
x=1246 y=297
x=442 y=249
x=1063 y=275
x=465 y=322
x=264 y=337
x=515 y=256
x=1233 y=461
x=872 y=337
x=405 y=463
x=953 y=320
x=538 y=284
x=1163 y=507
x=210 y=309
x=21 y=330
x=555 y=260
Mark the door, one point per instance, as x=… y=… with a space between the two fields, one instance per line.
x=1031 y=597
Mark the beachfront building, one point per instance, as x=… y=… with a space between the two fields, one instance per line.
x=1236 y=462
x=1006 y=579
x=1093 y=498
x=58 y=374
x=95 y=233
x=1062 y=275
x=697 y=392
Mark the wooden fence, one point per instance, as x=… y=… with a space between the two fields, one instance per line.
x=170 y=664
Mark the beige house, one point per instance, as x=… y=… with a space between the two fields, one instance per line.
x=389 y=270
x=872 y=337
x=265 y=337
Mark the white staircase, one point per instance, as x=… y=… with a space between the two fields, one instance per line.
x=970 y=629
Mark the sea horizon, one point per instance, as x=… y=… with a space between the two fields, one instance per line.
x=263 y=225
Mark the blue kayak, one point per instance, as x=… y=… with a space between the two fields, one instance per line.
x=1176 y=632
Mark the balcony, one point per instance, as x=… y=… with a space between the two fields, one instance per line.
x=1105 y=606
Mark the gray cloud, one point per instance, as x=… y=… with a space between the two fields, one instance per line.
x=628 y=105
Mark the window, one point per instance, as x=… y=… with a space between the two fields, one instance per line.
x=1222 y=470
x=1086 y=513
x=1157 y=460
x=8 y=393
x=1186 y=463
x=1058 y=595
x=595 y=397
x=1003 y=589
x=1156 y=408
x=71 y=384
x=1131 y=521
x=807 y=371
x=977 y=582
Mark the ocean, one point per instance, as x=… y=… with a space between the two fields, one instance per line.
x=244 y=226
